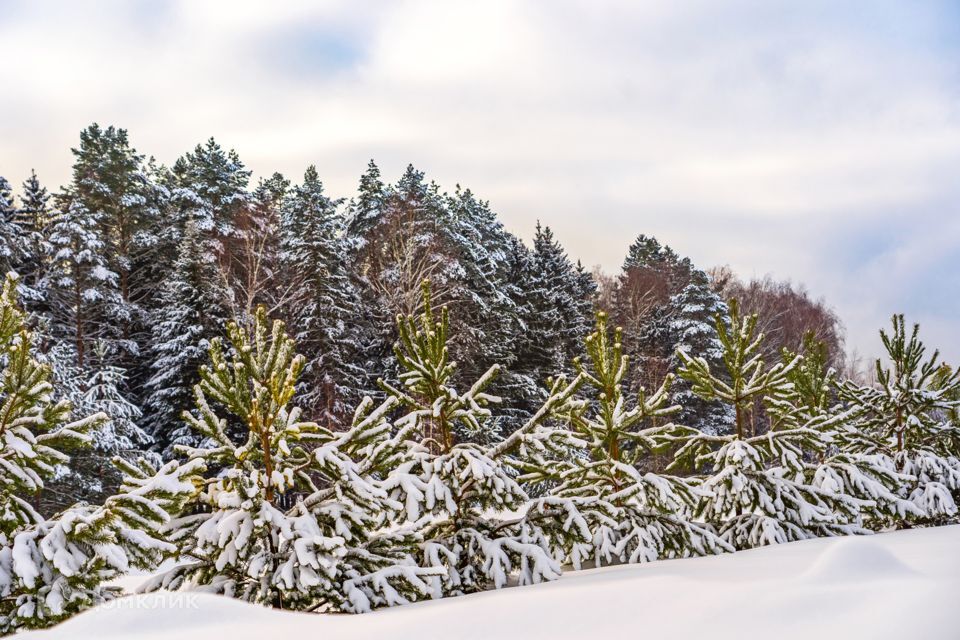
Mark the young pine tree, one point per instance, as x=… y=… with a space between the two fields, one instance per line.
x=755 y=492
x=847 y=467
x=459 y=495
x=907 y=417
x=53 y=568
x=286 y=517
x=596 y=459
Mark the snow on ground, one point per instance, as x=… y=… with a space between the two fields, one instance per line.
x=895 y=585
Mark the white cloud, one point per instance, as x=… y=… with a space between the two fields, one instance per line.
x=770 y=136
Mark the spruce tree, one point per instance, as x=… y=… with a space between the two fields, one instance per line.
x=596 y=459
x=368 y=207
x=182 y=328
x=692 y=330
x=323 y=310
x=208 y=198
x=110 y=182
x=82 y=289
x=755 y=491
x=33 y=220
x=558 y=312
x=12 y=245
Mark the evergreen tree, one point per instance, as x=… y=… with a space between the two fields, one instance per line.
x=458 y=493
x=558 y=312
x=755 y=492
x=286 y=518
x=324 y=302
x=53 y=568
x=368 y=207
x=844 y=467
x=33 y=220
x=906 y=417
x=596 y=457
x=207 y=199
x=82 y=290
x=692 y=330
x=100 y=388
x=12 y=246
x=110 y=182
x=488 y=317
x=181 y=331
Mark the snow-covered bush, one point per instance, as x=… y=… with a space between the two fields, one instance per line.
x=595 y=456
x=286 y=517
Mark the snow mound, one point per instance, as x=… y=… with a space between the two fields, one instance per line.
x=854 y=559
x=824 y=588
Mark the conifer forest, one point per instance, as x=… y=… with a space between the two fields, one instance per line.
x=342 y=402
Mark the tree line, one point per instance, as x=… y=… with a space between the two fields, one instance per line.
x=131 y=269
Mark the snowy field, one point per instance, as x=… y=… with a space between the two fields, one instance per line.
x=900 y=585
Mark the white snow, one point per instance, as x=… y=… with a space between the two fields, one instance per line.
x=894 y=585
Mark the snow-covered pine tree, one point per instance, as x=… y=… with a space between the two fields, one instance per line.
x=98 y=387
x=691 y=315
x=520 y=384
x=286 y=518
x=906 y=416
x=81 y=287
x=110 y=181
x=52 y=568
x=755 y=492
x=864 y=480
x=488 y=320
x=368 y=207
x=460 y=495
x=323 y=310
x=596 y=458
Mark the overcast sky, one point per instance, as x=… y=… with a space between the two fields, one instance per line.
x=817 y=141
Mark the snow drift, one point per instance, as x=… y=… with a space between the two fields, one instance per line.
x=894 y=585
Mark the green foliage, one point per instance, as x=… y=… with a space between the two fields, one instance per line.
x=34 y=426
x=907 y=417
x=756 y=491
x=458 y=494
x=53 y=568
x=595 y=459
x=746 y=378
x=287 y=517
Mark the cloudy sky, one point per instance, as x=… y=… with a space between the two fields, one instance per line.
x=817 y=141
